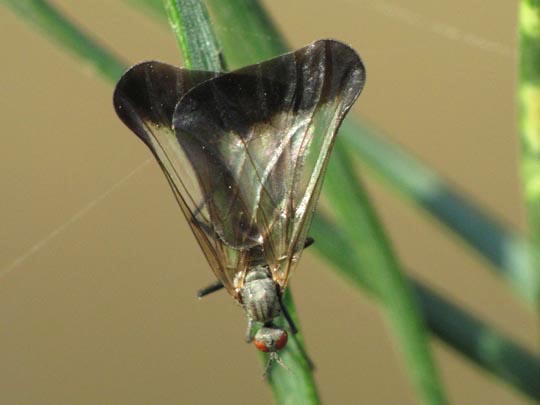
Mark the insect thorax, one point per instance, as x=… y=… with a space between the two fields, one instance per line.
x=260 y=295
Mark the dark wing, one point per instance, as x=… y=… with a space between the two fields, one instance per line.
x=145 y=99
x=258 y=140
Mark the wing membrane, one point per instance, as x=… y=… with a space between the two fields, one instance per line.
x=258 y=140
x=245 y=152
x=145 y=99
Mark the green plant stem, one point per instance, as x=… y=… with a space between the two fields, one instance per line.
x=356 y=218
x=529 y=124
x=517 y=367
x=198 y=44
x=464 y=333
x=295 y=385
x=508 y=252
x=256 y=33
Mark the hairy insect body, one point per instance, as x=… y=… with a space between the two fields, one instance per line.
x=260 y=296
x=261 y=300
x=245 y=154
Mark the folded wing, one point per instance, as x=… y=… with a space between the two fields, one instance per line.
x=258 y=140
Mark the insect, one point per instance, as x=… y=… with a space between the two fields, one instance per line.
x=245 y=154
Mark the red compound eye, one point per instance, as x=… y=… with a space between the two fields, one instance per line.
x=259 y=344
x=282 y=341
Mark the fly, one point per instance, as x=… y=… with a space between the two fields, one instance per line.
x=245 y=154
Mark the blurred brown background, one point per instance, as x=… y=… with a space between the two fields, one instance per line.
x=99 y=270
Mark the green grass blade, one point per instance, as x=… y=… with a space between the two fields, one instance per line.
x=529 y=123
x=250 y=14
x=457 y=328
x=358 y=221
x=510 y=362
x=60 y=30
x=191 y=25
x=193 y=29
x=294 y=385
x=264 y=41
x=504 y=248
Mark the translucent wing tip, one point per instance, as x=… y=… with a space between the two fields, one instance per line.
x=344 y=58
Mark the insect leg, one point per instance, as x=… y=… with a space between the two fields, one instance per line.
x=218 y=285
x=294 y=330
x=309 y=241
x=249 y=331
